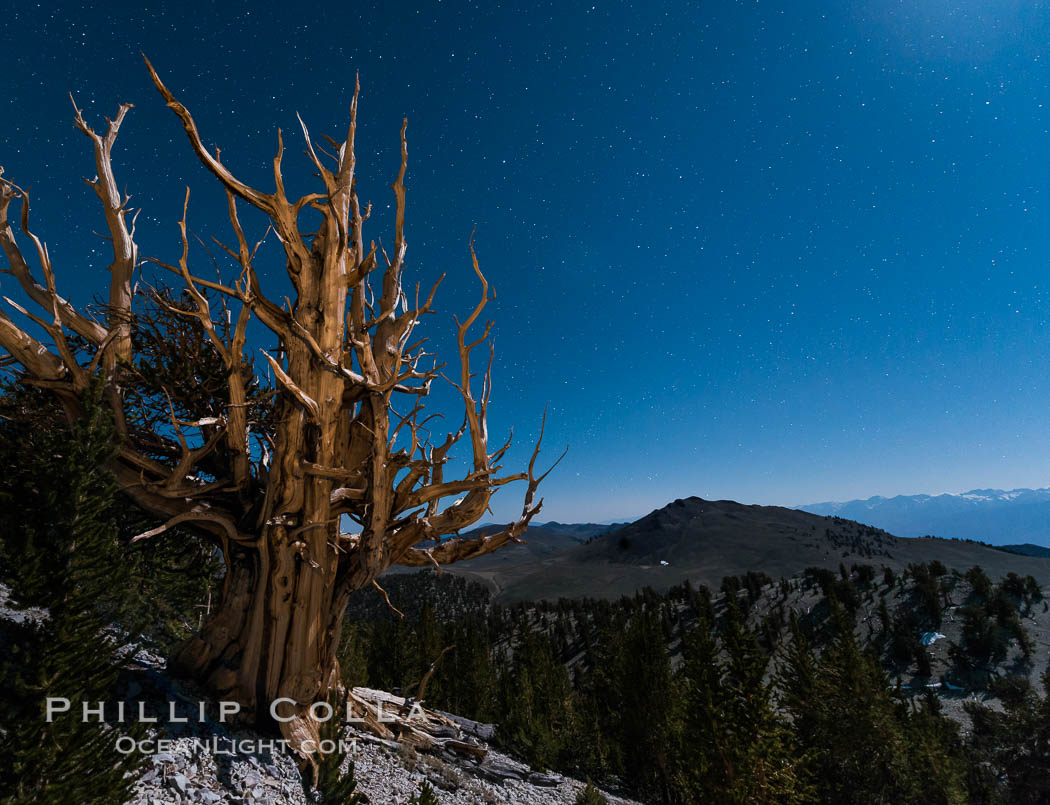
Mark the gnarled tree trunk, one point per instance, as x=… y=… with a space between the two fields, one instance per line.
x=273 y=635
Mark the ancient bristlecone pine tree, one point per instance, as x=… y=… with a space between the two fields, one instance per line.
x=347 y=361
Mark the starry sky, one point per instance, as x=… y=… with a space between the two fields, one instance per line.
x=774 y=252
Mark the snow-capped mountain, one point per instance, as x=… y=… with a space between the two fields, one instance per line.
x=997 y=516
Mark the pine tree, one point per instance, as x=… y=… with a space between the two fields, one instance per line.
x=937 y=754
x=334 y=786
x=353 y=655
x=430 y=642
x=177 y=582
x=536 y=700
x=61 y=552
x=1015 y=743
x=760 y=760
x=703 y=761
x=160 y=590
x=600 y=746
x=426 y=795
x=590 y=796
x=984 y=645
x=797 y=678
x=393 y=661
x=649 y=702
x=468 y=675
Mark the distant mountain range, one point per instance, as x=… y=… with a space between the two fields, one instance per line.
x=995 y=516
x=703 y=541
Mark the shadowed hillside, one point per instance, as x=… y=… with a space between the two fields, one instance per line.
x=703 y=541
x=1028 y=549
x=541 y=542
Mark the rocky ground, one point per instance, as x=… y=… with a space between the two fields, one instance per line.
x=394 y=777
x=207 y=762
x=386 y=776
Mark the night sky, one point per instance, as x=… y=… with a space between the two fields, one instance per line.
x=774 y=252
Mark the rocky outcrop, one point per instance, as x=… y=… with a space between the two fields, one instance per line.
x=206 y=762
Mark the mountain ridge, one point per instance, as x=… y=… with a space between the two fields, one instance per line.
x=995 y=516
x=703 y=541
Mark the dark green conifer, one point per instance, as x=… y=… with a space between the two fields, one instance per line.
x=61 y=552
x=649 y=701
x=590 y=796
x=426 y=795
x=763 y=764
x=1014 y=744
x=536 y=702
x=333 y=785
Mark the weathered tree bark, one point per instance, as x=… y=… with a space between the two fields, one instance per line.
x=274 y=634
x=272 y=501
